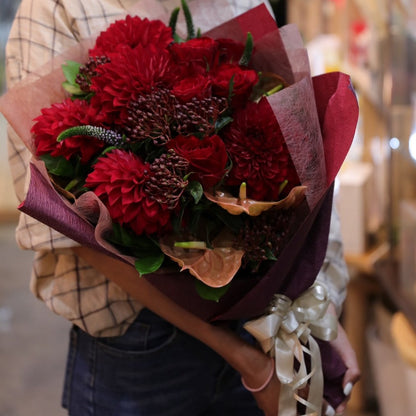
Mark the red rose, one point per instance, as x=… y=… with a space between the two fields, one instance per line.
x=207 y=157
x=259 y=153
x=198 y=86
x=243 y=82
x=132 y=31
x=201 y=51
x=118 y=180
x=59 y=117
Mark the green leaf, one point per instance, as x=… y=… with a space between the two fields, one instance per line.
x=174 y=20
x=222 y=122
x=196 y=191
x=149 y=263
x=58 y=166
x=270 y=255
x=71 y=70
x=248 y=50
x=73 y=89
x=210 y=293
x=188 y=18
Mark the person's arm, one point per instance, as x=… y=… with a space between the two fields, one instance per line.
x=253 y=365
x=342 y=345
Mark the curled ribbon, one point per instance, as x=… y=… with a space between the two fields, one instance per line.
x=287 y=332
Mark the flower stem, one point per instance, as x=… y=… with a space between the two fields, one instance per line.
x=200 y=245
x=277 y=88
x=243 y=191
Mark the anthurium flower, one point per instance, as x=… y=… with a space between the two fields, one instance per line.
x=237 y=206
x=215 y=266
x=118 y=180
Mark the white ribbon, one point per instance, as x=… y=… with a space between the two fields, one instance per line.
x=287 y=332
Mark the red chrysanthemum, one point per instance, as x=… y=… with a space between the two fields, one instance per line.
x=132 y=31
x=259 y=153
x=118 y=180
x=129 y=74
x=59 y=117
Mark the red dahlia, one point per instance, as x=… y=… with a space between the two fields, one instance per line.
x=129 y=74
x=259 y=153
x=132 y=31
x=118 y=180
x=59 y=117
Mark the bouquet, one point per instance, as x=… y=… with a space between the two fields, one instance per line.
x=207 y=161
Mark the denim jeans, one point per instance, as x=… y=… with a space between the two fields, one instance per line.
x=153 y=370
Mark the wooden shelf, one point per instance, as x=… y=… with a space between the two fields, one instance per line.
x=387 y=271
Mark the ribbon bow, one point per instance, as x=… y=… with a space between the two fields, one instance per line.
x=286 y=332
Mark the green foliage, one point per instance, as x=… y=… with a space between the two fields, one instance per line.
x=71 y=70
x=196 y=191
x=174 y=20
x=210 y=293
x=188 y=18
x=248 y=50
x=149 y=257
x=149 y=264
x=58 y=166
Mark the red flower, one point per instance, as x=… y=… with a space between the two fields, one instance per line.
x=129 y=74
x=198 y=86
x=59 y=117
x=259 y=153
x=118 y=180
x=201 y=51
x=243 y=82
x=229 y=51
x=207 y=157
x=132 y=31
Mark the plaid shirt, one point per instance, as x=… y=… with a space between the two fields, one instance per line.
x=42 y=30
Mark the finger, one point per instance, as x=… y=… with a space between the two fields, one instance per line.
x=328 y=410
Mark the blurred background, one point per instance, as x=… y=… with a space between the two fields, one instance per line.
x=373 y=41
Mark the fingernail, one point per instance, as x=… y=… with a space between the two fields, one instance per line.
x=348 y=389
x=329 y=411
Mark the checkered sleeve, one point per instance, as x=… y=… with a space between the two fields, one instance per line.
x=42 y=30
x=334 y=272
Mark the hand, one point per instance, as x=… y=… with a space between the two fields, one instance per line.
x=268 y=399
x=264 y=385
x=347 y=354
